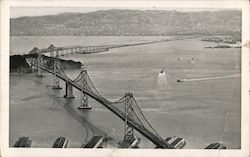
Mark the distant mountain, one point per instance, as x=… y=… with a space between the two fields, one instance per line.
x=130 y=22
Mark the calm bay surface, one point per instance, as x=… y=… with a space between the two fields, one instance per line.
x=202 y=112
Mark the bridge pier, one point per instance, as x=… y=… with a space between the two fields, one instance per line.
x=68 y=90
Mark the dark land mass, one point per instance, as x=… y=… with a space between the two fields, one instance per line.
x=223 y=46
x=19 y=63
x=130 y=23
x=222 y=39
x=223 y=42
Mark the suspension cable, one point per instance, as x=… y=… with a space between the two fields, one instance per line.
x=146 y=119
x=100 y=94
x=79 y=77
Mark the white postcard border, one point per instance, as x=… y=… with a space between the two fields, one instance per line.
x=4 y=84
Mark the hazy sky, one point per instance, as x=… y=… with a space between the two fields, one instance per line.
x=39 y=11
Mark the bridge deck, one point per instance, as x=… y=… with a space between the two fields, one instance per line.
x=148 y=134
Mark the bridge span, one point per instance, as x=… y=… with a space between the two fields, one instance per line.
x=132 y=115
x=67 y=50
x=153 y=137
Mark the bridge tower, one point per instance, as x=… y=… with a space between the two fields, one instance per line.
x=40 y=64
x=84 y=98
x=128 y=130
x=56 y=68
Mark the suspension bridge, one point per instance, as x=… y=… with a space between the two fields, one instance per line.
x=126 y=108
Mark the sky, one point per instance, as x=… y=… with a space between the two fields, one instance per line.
x=16 y=12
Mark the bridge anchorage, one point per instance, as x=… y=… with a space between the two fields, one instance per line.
x=68 y=90
x=84 y=86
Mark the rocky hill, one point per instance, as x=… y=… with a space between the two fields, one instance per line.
x=130 y=22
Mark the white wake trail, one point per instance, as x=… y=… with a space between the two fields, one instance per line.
x=213 y=78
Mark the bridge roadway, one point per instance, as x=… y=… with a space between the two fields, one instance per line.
x=79 y=48
x=158 y=141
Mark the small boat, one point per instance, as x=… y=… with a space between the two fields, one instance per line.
x=182 y=80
